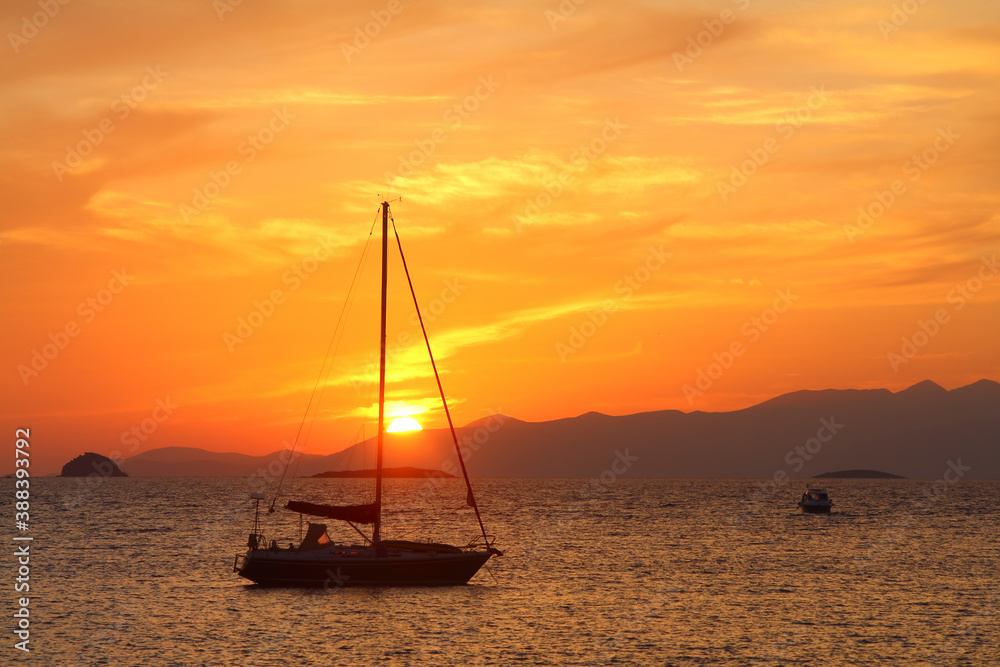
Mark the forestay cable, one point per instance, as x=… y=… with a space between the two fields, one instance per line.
x=329 y=348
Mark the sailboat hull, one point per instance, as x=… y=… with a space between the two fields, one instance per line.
x=360 y=567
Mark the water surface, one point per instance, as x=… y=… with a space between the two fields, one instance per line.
x=644 y=572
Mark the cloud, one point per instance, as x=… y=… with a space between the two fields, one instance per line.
x=479 y=204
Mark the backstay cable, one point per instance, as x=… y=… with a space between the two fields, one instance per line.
x=469 y=498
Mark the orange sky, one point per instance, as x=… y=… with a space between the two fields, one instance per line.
x=205 y=156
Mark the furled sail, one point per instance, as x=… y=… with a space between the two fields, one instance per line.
x=352 y=513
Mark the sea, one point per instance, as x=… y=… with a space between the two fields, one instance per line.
x=605 y=571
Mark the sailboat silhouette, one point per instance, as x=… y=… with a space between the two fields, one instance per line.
x=318 y=561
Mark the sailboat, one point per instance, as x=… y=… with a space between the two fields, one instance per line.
x=318 y=561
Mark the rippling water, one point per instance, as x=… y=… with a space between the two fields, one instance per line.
x=650 y=572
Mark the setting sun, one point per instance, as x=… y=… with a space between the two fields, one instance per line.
x=404 y=424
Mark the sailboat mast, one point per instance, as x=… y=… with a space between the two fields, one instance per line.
x=376 y=533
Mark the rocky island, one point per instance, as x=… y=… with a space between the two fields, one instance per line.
x=387 y=473
x=90 y=464
x=858 y=474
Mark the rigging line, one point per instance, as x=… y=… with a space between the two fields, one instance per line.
x=348 y=456
x=338 y=337
x=342 y=454
x=470 y=499
x=364 y=251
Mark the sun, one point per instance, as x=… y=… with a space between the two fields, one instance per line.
x=404 y=424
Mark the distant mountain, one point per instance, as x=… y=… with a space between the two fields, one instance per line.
x=858 y=474
x=194 y=462
x=922 y=432
x=90 y=464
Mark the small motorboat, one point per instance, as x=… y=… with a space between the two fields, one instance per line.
x=815 y=501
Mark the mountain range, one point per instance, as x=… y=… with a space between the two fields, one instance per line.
x=920 y=432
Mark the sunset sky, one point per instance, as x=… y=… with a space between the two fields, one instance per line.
x=601 y=204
